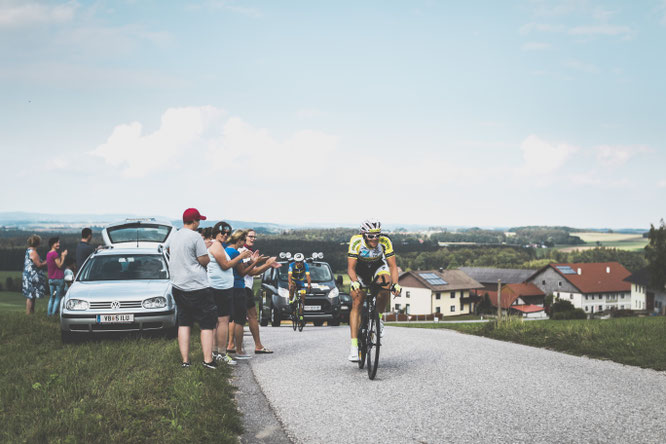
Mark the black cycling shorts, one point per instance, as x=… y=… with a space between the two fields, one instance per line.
x=223 y=301
x=250 y=298
x=368 y=271
x=239 y=306
x=196 y=306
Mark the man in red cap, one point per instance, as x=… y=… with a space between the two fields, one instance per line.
x=189 y=282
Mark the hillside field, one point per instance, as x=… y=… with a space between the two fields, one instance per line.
x=622 y=241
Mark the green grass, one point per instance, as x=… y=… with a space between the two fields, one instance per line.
x=12 y=274
x=13 y=301
x=126 y=389
x=632 y=341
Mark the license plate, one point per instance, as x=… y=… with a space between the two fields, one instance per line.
x=115 y=319
x=312 y=308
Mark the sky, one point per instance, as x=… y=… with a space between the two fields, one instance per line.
x=478 y=113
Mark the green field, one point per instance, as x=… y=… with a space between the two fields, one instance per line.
x=631 y=341
x=622 y=241
x=116 y=389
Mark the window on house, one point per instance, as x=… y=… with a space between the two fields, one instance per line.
x=622 y=296
x=601 y=307
x=437 y=310
x=559 y=283
x=543 y=282
x=453 y=294
x=407 y=308
x=453 y=309
x=587 y=308
x=570 y=296
x=407 y=294
x=438 y=296
x=586 y=297
x=397 y=307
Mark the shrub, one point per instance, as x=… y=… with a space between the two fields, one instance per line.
x=575 y=313
x=622 y=313
x=560 y=305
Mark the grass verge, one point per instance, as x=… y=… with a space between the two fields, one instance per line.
x=115 y=389
x=632 y=341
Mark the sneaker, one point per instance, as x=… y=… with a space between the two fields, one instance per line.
x=185 y=364
x=242 y=356
x=211 y=364
x=381 y=328
x=229 y=360
x=353 y=354
x=218 y=356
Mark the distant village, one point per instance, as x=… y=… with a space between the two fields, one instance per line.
x=596 y=288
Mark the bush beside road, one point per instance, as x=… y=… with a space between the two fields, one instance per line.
x=631 y=341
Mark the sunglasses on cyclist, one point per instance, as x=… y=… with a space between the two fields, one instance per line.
x=372 y=236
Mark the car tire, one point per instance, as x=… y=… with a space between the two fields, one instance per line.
x=318 y=323
x=275 y=317
x=334 y=322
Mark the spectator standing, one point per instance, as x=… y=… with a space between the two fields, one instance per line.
x=189 y=281
x=33 y=279
x=221 y=280
x=84 y=249
x=252 y=321
x=55 y=262
x=239 y=313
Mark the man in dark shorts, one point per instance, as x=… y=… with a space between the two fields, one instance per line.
x=189 y=281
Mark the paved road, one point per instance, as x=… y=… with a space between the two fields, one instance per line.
x=442 y=386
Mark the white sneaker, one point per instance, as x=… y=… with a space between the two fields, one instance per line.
x=381 y=328
x=353 y=354
x=229 y=360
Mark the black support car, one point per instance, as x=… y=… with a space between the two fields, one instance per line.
x=322 y=304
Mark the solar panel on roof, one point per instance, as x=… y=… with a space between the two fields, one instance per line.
x=433 y=279
x=565 y=269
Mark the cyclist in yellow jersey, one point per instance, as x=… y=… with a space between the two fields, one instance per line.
x=370 y=256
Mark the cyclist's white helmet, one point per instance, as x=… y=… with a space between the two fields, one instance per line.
x=371 y=226
x=298 y=257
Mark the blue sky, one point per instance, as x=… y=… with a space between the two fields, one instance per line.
x=451 y=113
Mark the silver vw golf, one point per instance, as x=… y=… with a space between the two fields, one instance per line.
x=124 y=286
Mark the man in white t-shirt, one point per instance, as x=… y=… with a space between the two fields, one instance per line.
x=189 y=281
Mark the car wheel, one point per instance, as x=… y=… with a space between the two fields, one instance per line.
x=334 y=322
x=275 y=317
x=318 y=323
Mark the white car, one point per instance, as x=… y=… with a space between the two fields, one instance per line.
x=124 y=286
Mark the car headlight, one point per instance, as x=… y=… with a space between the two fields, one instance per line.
x=283 y=292
x=158 y=302
x=334 y=293
x=76 y=304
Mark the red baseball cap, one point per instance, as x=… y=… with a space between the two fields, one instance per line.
x=192 y=214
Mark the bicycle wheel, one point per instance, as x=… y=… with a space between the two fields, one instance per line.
x=362 y=333
x=294 y=315
x=373 y=344
x=301 y=322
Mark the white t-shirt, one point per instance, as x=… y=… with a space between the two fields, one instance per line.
x=219 y=279
x=249 y=280
x=187 y=274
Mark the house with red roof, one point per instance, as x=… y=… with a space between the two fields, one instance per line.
x=593 y=287
x=523 y=299
x=447 y=292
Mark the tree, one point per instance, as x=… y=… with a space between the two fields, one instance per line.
x=655 y=252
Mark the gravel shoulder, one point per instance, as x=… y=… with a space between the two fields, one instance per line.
x=443 y=386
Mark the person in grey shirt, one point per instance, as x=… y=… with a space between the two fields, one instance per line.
x=189 y=282
x=84 y=249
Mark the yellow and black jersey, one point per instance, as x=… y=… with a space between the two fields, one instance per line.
x=360 y=250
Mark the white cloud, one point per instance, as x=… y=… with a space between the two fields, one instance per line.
x=662 y=11
x=614 y=156
x=535 y=46
x=603 y=29
x=541 y=27
x=181 y=130
x=308 y=113
x=544 y=158
x=582 y=66
x=195 y=133
x=18 y=13
x=234 y=6
x=662 y=183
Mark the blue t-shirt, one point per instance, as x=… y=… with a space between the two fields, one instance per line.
x=239 y=281
x=298 y=273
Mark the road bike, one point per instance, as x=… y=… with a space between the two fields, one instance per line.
x=369 y=341
x=296 y=310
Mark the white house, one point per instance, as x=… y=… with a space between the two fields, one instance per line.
x=643 y=296
x=432 y=291
x=593 y=287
